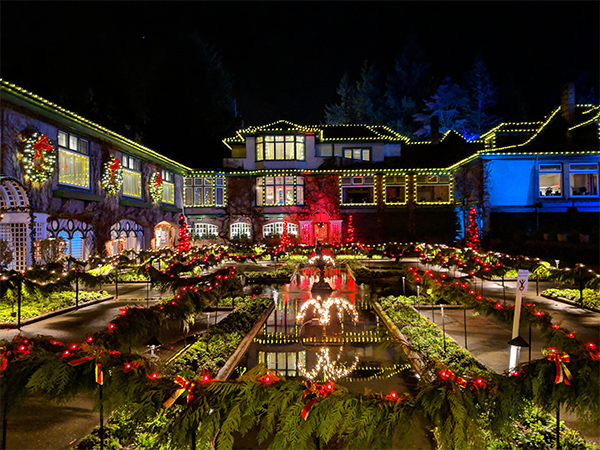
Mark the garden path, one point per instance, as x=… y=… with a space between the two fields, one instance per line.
x=487 y=338
x=50 y=426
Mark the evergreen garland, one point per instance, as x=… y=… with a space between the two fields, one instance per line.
x=112 y=176
x=155 y=186
x=39 y=157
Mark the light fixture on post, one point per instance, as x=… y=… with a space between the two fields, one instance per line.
x=515 y=350
x=153 y=343
x=442 y=303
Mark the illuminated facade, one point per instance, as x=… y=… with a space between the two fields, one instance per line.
x=64 y=176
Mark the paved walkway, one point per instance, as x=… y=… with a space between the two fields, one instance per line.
x=487 y=338
x=59 y=426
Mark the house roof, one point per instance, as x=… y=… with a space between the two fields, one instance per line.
x=23 y=98
x=324 y=133
x=553 y=134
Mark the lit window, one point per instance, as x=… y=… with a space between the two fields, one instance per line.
x=204 y=191
x=583 y=179
x=281 y=190
x=280 y=148
x=358 y=154
x=433 y=189
x=240 y=230
x=550 y=180
x=284 y=363
x=395 y=189
x=358 y=190
x=168 y=193
x=277 y=228
x=73 y=161
x=205 y=231
x=132 y=177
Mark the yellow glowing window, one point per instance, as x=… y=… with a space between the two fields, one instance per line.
x=168 y=195
x=290 y=147
x=73 y=169
x=132 y=183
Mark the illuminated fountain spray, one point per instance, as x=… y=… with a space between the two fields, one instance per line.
x=320 y=311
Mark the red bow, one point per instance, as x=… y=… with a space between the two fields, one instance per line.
x=40 y=146
x=97 y=370
x=115 y=165
x=561 y=369
x=185 y=385
x=159 y=179
x=320 y=391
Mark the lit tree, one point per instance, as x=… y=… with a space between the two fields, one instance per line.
x=473 y=230
x=285 y=237
x=183 y=244
x=350 y=237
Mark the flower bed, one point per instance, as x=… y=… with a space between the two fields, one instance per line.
x=36 y=306
x=529 y=428
x=215 y=346
x=591 y=297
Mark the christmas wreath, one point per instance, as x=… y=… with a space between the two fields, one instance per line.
x=156 y=187
x=39 y=157
x=112 y=176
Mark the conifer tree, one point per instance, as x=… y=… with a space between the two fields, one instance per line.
x=183 y=244
x=451 y=104
x=482 y=95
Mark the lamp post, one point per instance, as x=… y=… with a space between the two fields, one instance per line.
x=465 y=321
x=443 y=302
x=418 y=299
x=153 y=343
x=515 y=350
x=404 y=286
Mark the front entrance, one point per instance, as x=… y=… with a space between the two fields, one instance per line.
x=320 y=232
x=320 y=229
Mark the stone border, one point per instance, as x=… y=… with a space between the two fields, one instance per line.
x=226 y=371
x=415 y=358
x=54 y=313
x=570 y=302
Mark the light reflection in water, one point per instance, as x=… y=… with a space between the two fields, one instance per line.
x=331 y=370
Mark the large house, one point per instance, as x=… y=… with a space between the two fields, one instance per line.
x=64 y=176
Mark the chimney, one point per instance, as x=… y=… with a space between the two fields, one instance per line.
x=567 y=102
x=434 y=124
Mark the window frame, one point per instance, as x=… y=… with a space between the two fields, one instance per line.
x=261 y=144
x=216 y=187
x=433 y=180
x=288 y=187
x=393 y=184
x=69 y=145
x=349 y=182
x=242 y=226
x=595 y=172
x=206 y=226
x=559 y=172
x=363 y=150
x=277 y=228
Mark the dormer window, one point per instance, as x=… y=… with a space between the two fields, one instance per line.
x=280 y=148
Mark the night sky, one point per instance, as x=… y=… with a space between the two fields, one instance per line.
x=286 y=58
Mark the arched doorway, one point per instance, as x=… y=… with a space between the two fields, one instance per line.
x=163 y=235
x=126 y=235
x=320 y=229
x=14 y=222
x=320 y=225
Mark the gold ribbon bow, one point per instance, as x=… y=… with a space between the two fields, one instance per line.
x=562 y=373
x=320 y=391
x=184 y=385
